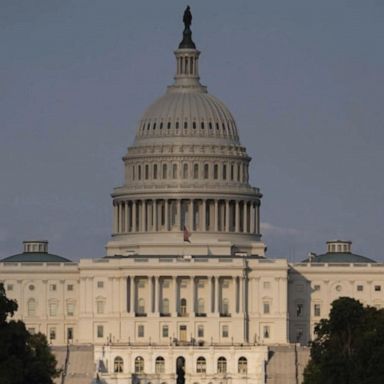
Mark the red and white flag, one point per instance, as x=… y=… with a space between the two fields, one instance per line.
x=186 y=234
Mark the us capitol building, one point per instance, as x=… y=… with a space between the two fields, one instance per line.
x=185 y=291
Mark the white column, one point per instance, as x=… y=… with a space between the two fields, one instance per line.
x=148 y=216
x=133 y=295
x=126 y=213
x=194 y=295
x=142 y=226
x=252 y=217
x=122 y=216
x=176 y=287
x=245 y=217
x=210 y=295
x=157 y=294
x=178 y=215
x=115 y=216
x=134 y=216
x=217 y=294
x=226 y=215
x=237 y=221
x=204 y=215
x=216 y=215
x=257 y=217
x=166 y=213
x=154 y=211
x=241 y=294
x=190 y=214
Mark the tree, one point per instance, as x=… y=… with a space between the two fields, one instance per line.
x=349 y=346
x=24 y=358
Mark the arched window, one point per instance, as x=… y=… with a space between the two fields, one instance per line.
x=139 y=172
x=224 y=172
x=200 y=306
x=185 y=171
x=196 y=171
x=206 y=171
x=183 y=307
x=174 y=171
x=160 y=365
x=221 y=365
x=164 y=171
x=201 y=365
x=31 y=307
x=118 y=364
x=242 y=365
x=165 y=306
x=155 y=171
x=146 y=171
x=139 y=365
x=215 y=171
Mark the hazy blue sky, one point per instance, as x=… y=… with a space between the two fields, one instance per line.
x=304 y=80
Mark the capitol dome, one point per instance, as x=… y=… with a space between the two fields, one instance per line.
x=186 y=176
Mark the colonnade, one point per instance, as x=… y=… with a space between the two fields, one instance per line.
x=212 y=215
x=184 y=296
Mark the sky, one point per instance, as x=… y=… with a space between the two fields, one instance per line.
x=304 y=80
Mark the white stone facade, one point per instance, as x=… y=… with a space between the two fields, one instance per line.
x=185 y=276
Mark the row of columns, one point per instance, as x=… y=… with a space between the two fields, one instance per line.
x=213 y=215
x=153 y=293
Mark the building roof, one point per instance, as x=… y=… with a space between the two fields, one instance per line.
x=339 y=257
x=35 y=257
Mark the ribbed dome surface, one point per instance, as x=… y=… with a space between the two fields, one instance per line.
x=188 y=113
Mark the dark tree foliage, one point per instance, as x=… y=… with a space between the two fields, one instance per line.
x=349 y=346
x=24 y=358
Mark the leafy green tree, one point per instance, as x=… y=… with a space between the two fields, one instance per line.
x=349 y=346
x=24 y=358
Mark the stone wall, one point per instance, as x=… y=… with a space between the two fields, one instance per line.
x=286 y=364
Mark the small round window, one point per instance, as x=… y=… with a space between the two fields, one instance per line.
x=338 y=288
x=31 y=287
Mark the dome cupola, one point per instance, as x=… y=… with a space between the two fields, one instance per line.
x=186 y=174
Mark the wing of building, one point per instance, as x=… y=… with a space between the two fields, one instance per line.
x=185 y=291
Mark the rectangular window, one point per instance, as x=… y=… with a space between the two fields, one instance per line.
x=174 y=171
x=225 y=331
x=200 y=331
x=165 y=331
x=360 y=288
x=266 y=285
x=52 y=333
x=70 y=333
x=52 y=309
x=141 y=283
x=200 y=284
x=377 y=288
x=100 y=284
x=52 y=287
x=100 y=331
x=166 y=283
x=226 y=283
x=70 y=309
x=9 y=287
x=70 y=287
x=164 y=171
x=266 y=308
x=140 y=330
x=266 y=332
x=316 y=310
x=100 y=306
